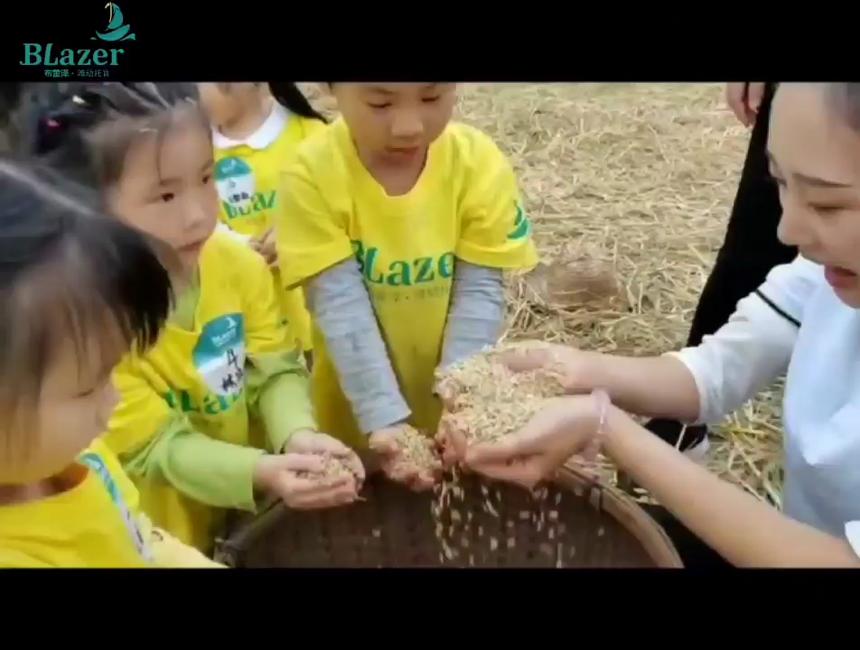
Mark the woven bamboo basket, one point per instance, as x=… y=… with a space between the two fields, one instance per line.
x=594 y=525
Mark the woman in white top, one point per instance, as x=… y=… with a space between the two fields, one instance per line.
x=805 y=319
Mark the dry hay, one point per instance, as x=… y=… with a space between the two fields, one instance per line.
x=643 y=175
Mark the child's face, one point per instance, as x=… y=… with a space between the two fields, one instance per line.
x=225 y=103
x=76 y=401
x=166 y=188
x=815 y=159
x=395 y=123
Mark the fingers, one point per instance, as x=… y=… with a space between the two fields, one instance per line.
x=525 y=359
x=755 y=96
x=293 y=462
x=384 y=443
x=501 y=451
x=326 y=498
x=526 y=473
x=735 y=94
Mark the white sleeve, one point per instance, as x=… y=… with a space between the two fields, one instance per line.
x=754 y=347
x=852 y=534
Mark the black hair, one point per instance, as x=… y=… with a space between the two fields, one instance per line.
x=84 y=129
x=288 y=95
x=68 y=272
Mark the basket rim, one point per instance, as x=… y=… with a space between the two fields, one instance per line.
x=601 y=495
x=628 y=513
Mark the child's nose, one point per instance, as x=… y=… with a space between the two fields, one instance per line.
x=407 y=124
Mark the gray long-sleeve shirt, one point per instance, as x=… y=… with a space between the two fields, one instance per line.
x=341 y=306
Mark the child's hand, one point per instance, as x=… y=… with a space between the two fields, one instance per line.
x=313 y=442
x=387 y=443
x=301 y=481
x=265 y=246
x=566 y=426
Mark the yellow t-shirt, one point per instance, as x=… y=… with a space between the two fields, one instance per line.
x=93 y=524
x=200 y=373
x=247 y=175
x=464 y=205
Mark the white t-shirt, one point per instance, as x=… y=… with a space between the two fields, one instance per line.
x=795 y=322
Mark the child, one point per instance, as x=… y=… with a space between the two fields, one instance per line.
x=803 y=320
x=256 y=129
x=71 y=303
x=399 y=225
x=222 y=384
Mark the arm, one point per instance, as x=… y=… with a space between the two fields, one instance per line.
x=477 y=312
x=744 y=530
x=339 y=302
x=706 y=382
x=277 y=379
x=155 y=442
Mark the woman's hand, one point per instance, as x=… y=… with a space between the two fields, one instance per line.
x=265 y=246
x=566 y=426
x=387 y=443
x=577 y=370
x=306 y=441
x=301 y=482
x=744 y=98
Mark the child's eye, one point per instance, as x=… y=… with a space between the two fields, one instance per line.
x=826 y=209
x=380 y=106
x=87 y=393
x=431 y=100
x=167 y=197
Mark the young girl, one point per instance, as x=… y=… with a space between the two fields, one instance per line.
x=223 y=384
x=399 y=224
x=803 y=319
x=76 y=288
x=256 y=129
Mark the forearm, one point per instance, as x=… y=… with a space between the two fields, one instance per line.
x=648 y=386
x=744 y=530
x=477 y=312
x=338 y=301
x=210 y=471
x=279 y=392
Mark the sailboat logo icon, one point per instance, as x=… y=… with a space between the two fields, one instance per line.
x=116 y=30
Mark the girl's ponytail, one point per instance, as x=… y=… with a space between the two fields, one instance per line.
x=288 y=95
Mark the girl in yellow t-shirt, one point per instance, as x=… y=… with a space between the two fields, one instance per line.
x=399 y=225
x=71 y=303
x=217 y=413
x=256 y=128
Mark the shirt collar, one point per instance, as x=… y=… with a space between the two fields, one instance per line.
x=263 y=137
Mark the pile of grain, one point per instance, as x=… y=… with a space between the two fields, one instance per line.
x=334 y=468
x=418 y=449
x=486 y=400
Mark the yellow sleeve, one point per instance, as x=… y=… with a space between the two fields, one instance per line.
x=495 y=230
x=310 y=237
x=141 y=412
x=278 y=380
x=156 y=442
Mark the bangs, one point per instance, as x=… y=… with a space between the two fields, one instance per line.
x=101 y=294
x=111 y=141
